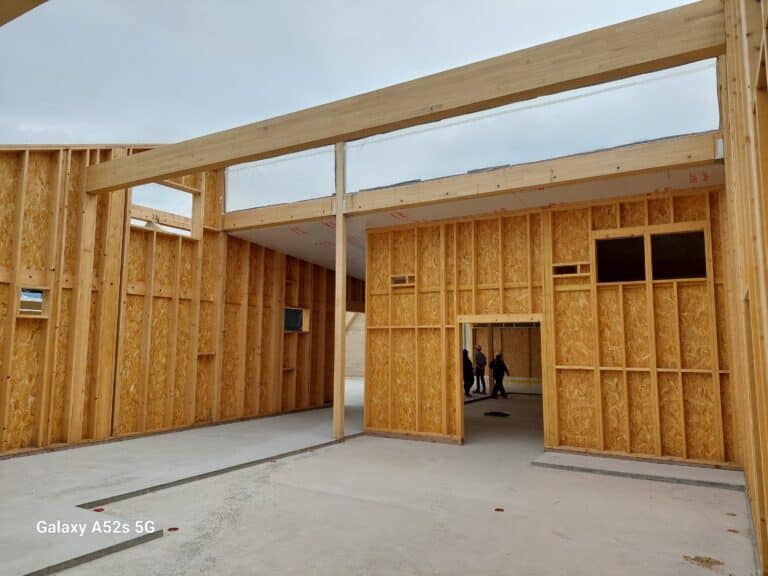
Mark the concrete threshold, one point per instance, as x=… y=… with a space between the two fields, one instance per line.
x=643 y=470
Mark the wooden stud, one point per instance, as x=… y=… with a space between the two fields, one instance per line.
x=340 y=302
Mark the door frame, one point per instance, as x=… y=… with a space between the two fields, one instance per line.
x=490 y=319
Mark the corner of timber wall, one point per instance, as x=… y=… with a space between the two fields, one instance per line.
x=144 y=330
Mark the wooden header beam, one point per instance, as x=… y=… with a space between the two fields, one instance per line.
x=646 y=44
x=12 y=9
x=691 y=150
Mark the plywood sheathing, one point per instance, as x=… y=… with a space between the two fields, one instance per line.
x=616 y=357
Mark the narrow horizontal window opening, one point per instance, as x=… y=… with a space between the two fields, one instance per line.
x=565 y=269
x=31 y=301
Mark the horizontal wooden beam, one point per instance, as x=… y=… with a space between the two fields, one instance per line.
x=265 y=216
x=621 y=161
x=148 y=214
x=674 y=152
x=12 y=9
x=646 y=44
x=180 y=186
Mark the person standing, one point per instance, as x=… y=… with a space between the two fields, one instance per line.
x=480 y=363
x=469 y=375
x=498 y=369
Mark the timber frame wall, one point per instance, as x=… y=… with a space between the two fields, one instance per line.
x=178 y=330
x=636 y=368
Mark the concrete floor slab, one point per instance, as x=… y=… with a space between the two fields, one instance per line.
x=50 y=486
x=660 y=471
x=383 y=506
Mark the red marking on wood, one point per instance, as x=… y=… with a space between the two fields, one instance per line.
x=498 y=509
x=172 y=529
x=98 y=509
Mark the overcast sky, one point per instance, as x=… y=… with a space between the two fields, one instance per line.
x=95 y=71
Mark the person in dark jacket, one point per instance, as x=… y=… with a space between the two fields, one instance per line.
x=498 y=369
x=469 y=375
x=480 y=362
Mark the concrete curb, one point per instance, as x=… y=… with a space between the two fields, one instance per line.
x=639 y=476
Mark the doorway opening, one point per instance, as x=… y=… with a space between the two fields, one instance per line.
x=512 y=353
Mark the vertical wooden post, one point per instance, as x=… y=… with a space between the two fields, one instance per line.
x=81 y=312
x=341 y=297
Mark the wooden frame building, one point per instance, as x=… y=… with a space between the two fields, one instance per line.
x=143 y=329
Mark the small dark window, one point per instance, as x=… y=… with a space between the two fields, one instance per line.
x=564 y=269
x=620 y=259
x=294 y=319
x=680 y=255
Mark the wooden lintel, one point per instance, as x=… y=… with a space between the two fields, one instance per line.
x=655 y=42
x=148 y=214
x=262 y=217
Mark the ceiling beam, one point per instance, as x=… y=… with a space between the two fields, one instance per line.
x=676 y=152
x=646 y=44
x=12 y=9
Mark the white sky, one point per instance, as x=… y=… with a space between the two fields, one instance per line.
x=103 y=71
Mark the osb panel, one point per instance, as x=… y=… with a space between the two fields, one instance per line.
x=403 y=380
x=253 y=360
x=24 y=397
x=38 y=200
x=695 y=340
x=632 y=213
x=605 y=217
x=571 y=281
x=210 y=260
x=4 y=289
x=717 y=234
x=377 y=274
x=429 y=309
x=641 y=413
x=516 y=300
x=10 y=167
x=488 y=257
x=451 y=375
x=73 y=211
x=516 y=347
x=129 y=369
x=450 y=308
x=186 y=274
x=464 y=253
x=670 y=415
x=404 y=252
x=377 y=378
x=166 y=255
x=537 y=306
x=722 y=328
x=236 y=270
x=609 y=322
x=729 y=424
x=205 y=371
x=449 y=255
x=660 y=211
x=231 y=351
x=430 y=386
x=158 y=363
x=488 y=302
x=614 y=412
x=537 y=274
x=465 y=302
x=516 y=247
x=636 y=332
x=270 y=385
x=377 y=310
x=206 y=343
x=700 y=416
x=56 y=426
x=403 y=308
x=667 y=349
x=690 y=208
x=570 y=236
x=183 y=365
x=139 y=245
x=576 y=408
x=429 y=257
x=573 y=329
